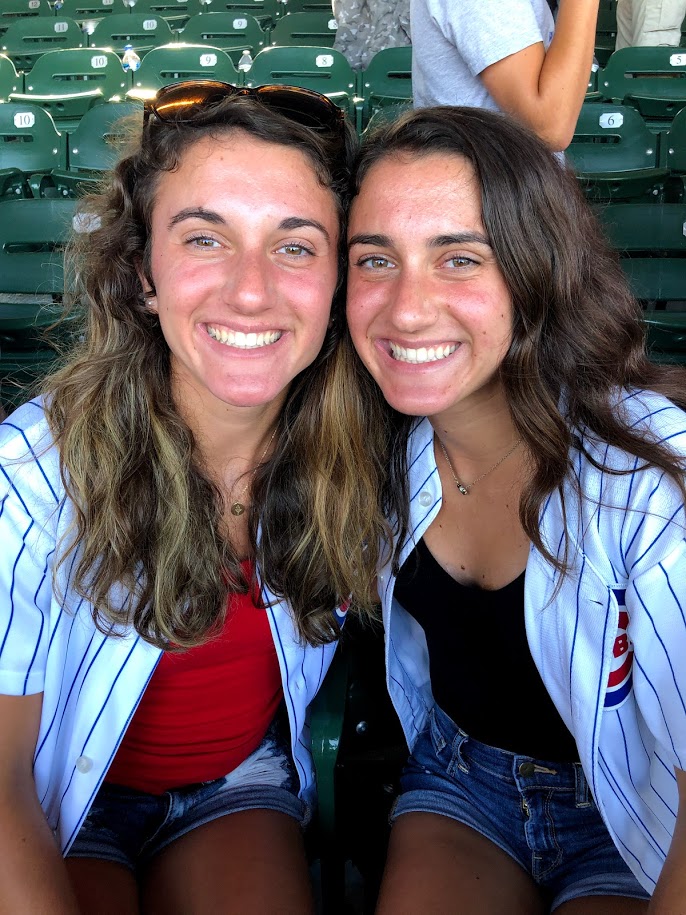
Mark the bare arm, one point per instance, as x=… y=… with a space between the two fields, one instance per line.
x=546 y=90
x=670 y=894
x=33 y=879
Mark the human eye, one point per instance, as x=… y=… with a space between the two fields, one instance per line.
x=374 y=262
x=296 y=250
x=459 y=262
x=202 y=241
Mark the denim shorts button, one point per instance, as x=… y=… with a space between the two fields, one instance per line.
x=425 y=498
x=526 y=769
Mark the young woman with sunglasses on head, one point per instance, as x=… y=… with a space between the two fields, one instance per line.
x=181 y=515
x=535 y=608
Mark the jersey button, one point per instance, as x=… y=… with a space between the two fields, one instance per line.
x=425 y=498
x=84 y=764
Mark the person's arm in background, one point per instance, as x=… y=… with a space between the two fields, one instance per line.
x=33 y=878
x=546 y=90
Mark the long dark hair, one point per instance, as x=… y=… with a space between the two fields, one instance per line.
x=577 y=333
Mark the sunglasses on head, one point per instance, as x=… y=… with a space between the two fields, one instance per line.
x=175 y=103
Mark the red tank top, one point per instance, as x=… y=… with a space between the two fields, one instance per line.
x=205 y=710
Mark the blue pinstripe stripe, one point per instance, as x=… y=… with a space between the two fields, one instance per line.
x=599 y=694
x=42 y=620
x=628 y=806
x=672 y=592
x=11 y=594
x=36 y=458
x=662 y=711
x=102 y=709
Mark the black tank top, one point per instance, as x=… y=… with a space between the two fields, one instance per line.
x=482 y=672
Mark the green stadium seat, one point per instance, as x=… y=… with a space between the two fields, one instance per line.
x=20 y=371
x=605 y=34
x=265 y=11
x=232 y=32
x=142 y=32
x=592 y=93
x=314 y=28
x=387 y=81
x=651 y=241
x=11 y=10
x=94 y=146
x=30 y=148
x=33 y=234
x=88 y=12
x=614 y=154
x=359 y=750
x=174 y=11
x=653 y=80
x=173 y=63
x=10 y=80
x=306 y=6
x=323 y=69
x=673 y=146
x=67 y=83
x=26 y=39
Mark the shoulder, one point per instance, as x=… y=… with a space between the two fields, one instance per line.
x=29 y=461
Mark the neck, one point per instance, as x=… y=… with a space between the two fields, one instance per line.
x=475 y=434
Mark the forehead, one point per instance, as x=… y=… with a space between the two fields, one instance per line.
x=437 y=186
x=239 y=165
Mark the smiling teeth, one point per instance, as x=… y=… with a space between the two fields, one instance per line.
x=423 y=354
x=241 y=340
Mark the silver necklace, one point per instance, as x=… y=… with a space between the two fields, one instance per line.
x=238 y=507
x=465 y=487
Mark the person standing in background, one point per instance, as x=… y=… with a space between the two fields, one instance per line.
x=368 y=26
x=648 y=23
x=508 y=55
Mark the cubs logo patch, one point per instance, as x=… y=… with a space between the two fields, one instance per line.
x=620 y=681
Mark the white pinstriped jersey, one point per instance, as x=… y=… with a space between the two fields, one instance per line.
x=610 y=645
x=91 y=683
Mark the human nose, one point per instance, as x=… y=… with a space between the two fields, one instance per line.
x=413 y=306
x=247 y=286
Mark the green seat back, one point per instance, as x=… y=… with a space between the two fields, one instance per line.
x=265 y=11
x=674 y=144
x=614 y=153
x=29 y=140
x=605 y=34
x=651 y=240
x=10 y=80
x=20 y=371
x=89 y=10
x=11 y=10
x=387 y=80
x=306 y=6
x=174 y=63
x=67 y=83
x=312 y=28
x=323 y=69
x=232 y=32
x=26 y=39
x=95 y=144
x=651 y=79
x=142 y=32
x=174 y=11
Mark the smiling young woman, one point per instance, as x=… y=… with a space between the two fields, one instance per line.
x=533 y=606
x=184 y=515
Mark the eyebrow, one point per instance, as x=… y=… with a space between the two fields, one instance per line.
x=288 y=224
x=438 y=241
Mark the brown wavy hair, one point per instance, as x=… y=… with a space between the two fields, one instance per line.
x=577 y=334
x=147 y=516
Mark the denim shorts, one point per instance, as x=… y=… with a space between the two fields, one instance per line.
x=130 y=827
x=540 y=813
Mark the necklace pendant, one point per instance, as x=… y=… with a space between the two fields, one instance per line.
x=463 y=489
x=237 y=509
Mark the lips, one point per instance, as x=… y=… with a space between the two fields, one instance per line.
x=422 y=354
x=241 y=340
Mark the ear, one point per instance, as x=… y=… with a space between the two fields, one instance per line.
x=148 y=291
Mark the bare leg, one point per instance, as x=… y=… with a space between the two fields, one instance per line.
x=247 y=863
x=443 y=867
x=103 y=887
x=603 y=905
